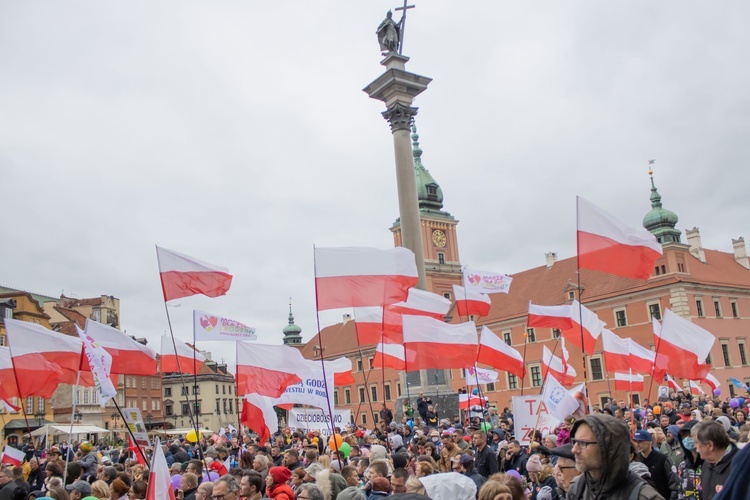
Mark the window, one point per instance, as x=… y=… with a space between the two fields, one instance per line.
x=230 y=390
x=336 y=398
x=435 y=376
x=370 y=361
x=636 y=399
x=398 y=388
x=153 y=405
x=185 y=409
x=223 y=389
x=86 y=397
x=387 y=392
x=359 y=365
x=347 y=396
x=361 y=394
x=571 y=295
x=725 y=353
x=217 y=388
x=654 y=310
x=364 y=418
x=708 y=359
x=447 y=295
x=731 y=390
x=681 y=267
x=512 y=381
x=735 y=311
x=197 y=407
x=699 y=307
x=224 y=405
x=143 y=382
x=218 y=406
x=184 y=390
x=231 y=409
x=167 y=392
x=530 y=335
x=491 y=387
x=743 y=353
x=413 y=378
x=2 y=337
x=144 y=404
x=40 y=404
x=596 y=369
x=717 y=308
x=375 y=417
x=621 y=318
x=536 y=376
x=441 y=258
x=556 y=333
x=196 y=389
x=374 y=392
x=507 y=338
x=168 y=410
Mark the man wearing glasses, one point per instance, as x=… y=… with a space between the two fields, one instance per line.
x=226 y=488
x=565 y=470
x=601 y=446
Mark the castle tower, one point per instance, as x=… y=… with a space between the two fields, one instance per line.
x=292 y=332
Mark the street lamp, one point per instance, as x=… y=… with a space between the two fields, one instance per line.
x=149 y=418
x=39 y=416
x=77 y=416
x=175 y=421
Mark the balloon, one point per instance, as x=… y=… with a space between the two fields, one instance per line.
x=335 y=441
x=176 y=481
x=486 y=426
x=734 y=403
x=717 y=392
x=345 y=449
x=657 y=410
x=191 y=436
x=213 y=476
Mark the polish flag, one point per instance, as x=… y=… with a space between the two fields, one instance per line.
x=159 y=480
x=42 y=359
x=553 y=365
x=466 y=401
x=497 y=354
x=468 y=302
x=606 y=244
x=550 y=316
x=368 y=321
x=591 y=324
x=8 y=388
x=431 y=343
x=616 y=352
x=258 y=414
x=389 y=355
x=184 y=276
x=695 y=388
x=641 y=359
x=185 y=353
x=342 y=371
x=12 y=456
x=268 y=369
x=10 y=408
x=134 y=452
x=128 y=356
x=682 y=347
x=674 y=385
x=361 y=277
x=711 y=381
x=631 y=382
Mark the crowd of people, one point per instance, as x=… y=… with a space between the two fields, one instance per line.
x=685 y=448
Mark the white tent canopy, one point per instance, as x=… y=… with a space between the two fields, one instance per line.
x=57 y=429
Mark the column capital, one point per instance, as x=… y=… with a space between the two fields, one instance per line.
x=399 y=116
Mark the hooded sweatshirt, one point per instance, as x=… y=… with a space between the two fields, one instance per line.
x=613 y=440
x=689 y=471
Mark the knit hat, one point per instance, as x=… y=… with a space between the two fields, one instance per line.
x=280 y=475
x=534 y=464
x=381 y=484
x=313 y=469
x=86 y=447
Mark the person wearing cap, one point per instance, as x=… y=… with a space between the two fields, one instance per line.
x=450 y=450
x=276 y=484
x=717 y=452
x=542 y=483
x=466 y=467
x=89 y=459
x=663 y=471
x=671 y=445
x=78 y=490
x=565 y=468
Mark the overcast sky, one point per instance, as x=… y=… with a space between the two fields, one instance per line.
x=237 y=132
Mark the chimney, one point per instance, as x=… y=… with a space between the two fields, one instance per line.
x=740 y=252
x=551 y=258
x=347 y=318
x=696 y=247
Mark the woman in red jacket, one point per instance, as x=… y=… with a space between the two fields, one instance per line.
x=276 y=484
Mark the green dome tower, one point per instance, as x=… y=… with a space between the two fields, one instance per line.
x=292 y=333
x=659 y=221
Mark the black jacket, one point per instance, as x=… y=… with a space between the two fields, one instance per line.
x=715 y=475
x=485 y=462
x=663 y=473
x=517 y=463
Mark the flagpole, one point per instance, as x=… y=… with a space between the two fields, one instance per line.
x=73 y=411
x=18 y=388
x=132 y=436
x=525 y=343
x=546 y=372
x=653 y=368
x=580 y=299
x=604 y=367
x=361 y=358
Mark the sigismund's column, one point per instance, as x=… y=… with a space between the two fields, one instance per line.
x=397 y=88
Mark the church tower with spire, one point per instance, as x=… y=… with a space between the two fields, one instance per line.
x=439 y=238
x=659 y=221
x=292 y=332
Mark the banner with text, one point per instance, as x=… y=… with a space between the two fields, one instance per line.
x=483 y=376
x=208 y=326
x=134 y=421
x=311 y=391
x=531 y=413
x=301 y=419
x=486 y=282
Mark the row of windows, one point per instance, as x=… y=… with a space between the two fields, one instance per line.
x=363 y=395
x=132 y=382
x=727 y=355
x=717 y=307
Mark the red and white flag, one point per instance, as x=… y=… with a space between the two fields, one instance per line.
x=630 y=382
x=641 y=359
x=558 y=317
x=258 y=414
x=682 y=347
x=8 y=388
x=128 y=356
x=342 y=371
x=369 y=324
x=9 y=407
x=184 y=276
x=466 y=401
x=563 y=372
x=674 y=385
x=616 y=352
x=497 y=354
x=268 y=369
x=388 y=355
x=431 y=343
x=711 y=381
x=12 y=456
x=486 y=282
x=42 y=359
x=606 y=244
x=159 y=480
x=182 y=362
x=695 y=388
x=471 y=303
x=361 y=277
x=583 y=318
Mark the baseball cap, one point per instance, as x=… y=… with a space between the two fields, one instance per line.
x=466 y=459
x=82 y=487
x=642 y=436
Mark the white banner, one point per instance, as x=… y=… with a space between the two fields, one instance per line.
x=559 y=401
x=531 y=413
x=301 y=419
x=483 y=376
x=486 y=282
x=208 y=326
x=100 y=362
x=311 y=391
x=134 y=421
